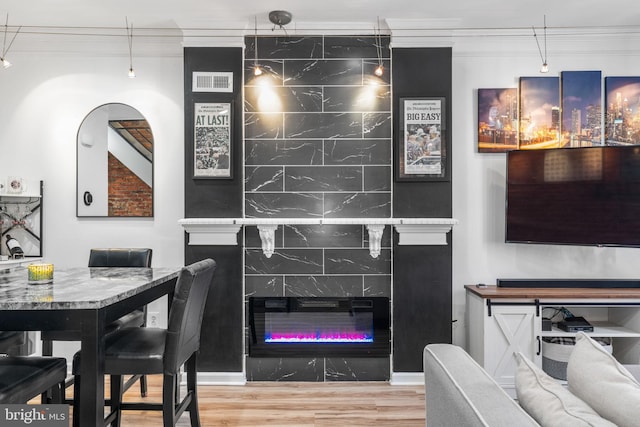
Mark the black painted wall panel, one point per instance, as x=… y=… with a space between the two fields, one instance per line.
x=221 y=347
x=421 y=302
x=422 y=72
x=221 y=338
x=422 y=274
x=213 y=197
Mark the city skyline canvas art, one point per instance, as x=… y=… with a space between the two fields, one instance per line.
x=622 y=119
x=497 y=120
x=581 y=112
x=539 y=113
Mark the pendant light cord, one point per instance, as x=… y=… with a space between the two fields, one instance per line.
x=545 y=39
x=379 y=44
x=543 y=58
x=538 y=43
x=130 y=40
x=4 y=43
x=255 y=39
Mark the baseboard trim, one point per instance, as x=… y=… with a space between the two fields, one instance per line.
x=238 y=378
x=221 y=378
x=407 y=378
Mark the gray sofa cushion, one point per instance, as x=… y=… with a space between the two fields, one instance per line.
x=458 y=392
x=599 y=379
x=549 y=402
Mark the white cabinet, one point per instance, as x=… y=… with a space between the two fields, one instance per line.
x=495 y=334
x=502 y=321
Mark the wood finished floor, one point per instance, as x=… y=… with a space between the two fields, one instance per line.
x=293 y=404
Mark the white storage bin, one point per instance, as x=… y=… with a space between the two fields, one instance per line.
x=556 y=352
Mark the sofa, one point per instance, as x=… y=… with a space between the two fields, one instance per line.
x=459 y=392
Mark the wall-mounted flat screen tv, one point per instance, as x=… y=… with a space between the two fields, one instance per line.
x=574 y=196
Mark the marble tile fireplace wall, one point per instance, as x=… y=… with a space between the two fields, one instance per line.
x=322 y=168
x=317 y=145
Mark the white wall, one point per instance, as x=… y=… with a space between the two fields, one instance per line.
x=44 y=100
x=479 y=253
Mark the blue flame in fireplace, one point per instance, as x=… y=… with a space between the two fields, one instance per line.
x=318 y=337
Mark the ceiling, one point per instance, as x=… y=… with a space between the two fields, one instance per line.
x=332 y=14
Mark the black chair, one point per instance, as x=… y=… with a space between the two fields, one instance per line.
x=109 y=257
x=24 y=377
x=10 y=341
x=131 y=351
x=120 y=257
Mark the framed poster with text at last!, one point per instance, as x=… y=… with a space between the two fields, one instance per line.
x=212 y=141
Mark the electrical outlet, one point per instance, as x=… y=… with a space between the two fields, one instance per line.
x=153 y=319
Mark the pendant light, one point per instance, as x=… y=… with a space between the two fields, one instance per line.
x=5 y=49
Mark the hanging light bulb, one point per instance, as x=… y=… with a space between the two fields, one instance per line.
x=379 y=71
x=132 y=73
x=544 y=68
x=5 y=63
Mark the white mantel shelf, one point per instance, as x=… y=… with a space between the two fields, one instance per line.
x=224 y=231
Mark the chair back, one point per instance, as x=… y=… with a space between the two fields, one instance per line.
x=185 y=316
x=120 y=257
x=11 y=341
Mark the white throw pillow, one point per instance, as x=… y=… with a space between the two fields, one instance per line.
x=596 y=377
x=548 y=402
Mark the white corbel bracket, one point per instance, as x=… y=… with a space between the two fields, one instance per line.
x=267 y=236
x=375 y=239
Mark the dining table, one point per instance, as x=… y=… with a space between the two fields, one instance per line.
x=86 y=300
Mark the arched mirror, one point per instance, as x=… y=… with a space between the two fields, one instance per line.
x=115 y=163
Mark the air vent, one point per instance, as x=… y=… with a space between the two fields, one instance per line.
x=212 y=82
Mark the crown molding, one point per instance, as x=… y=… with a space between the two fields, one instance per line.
x=422 y=32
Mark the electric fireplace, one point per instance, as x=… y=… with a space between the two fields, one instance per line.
x=323 y=326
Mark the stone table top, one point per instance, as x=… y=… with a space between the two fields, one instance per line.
x=78 y=288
